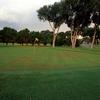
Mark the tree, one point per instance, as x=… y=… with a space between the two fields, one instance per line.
x=61 y=39
x=35 y=37
x=32 y=37
x=0 y=36
x=52 y=14
x=23 y=36
x=46 y=37
x=89 y=32
x=76 y=14
x=8 y=35
x=95 y=18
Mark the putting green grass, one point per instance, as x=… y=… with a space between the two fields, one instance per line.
x=45 y=73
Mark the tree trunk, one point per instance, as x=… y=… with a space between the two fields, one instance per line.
x=73 y=38
x=54 y=33
x=92 y=44
x=54 y=36
x=12 y=43
x=6 y=43
x=74 y=42
x=54 y=39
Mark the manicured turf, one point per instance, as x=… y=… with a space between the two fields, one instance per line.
x=45 y=73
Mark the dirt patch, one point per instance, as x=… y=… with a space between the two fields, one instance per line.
x=23 y=60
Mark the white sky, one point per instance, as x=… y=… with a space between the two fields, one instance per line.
x=21 y=14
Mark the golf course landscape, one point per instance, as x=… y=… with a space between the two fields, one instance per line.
x=49 y=49
x=46 y=73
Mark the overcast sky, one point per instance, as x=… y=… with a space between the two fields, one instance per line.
x=20 y=14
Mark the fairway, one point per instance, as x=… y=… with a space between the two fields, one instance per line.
x=45 y=73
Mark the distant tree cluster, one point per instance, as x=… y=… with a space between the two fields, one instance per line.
x=25 y=37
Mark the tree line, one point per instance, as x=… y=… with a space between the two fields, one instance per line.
x=77 y=14
x=25 y=37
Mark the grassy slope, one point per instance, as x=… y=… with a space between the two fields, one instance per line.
x=28 y=73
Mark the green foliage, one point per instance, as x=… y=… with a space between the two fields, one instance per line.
x=90 y=32
x=8 y=35
x=43 y=13
x=61 y=38
x=0 y=36
x=33 y=35
x=51 y=13
x=46 y=37
x=23 y=36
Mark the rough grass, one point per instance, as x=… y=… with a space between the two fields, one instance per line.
x=44 y=73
